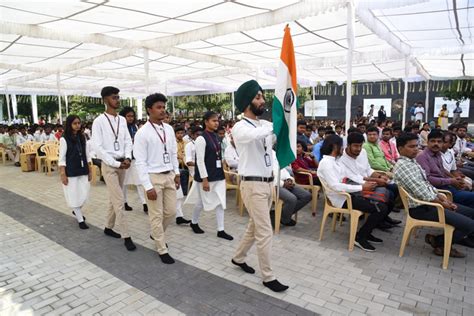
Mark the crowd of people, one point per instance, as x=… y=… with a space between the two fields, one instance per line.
x=175 y=163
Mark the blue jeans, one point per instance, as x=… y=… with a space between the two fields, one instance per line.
x=462 y=220
x=465 y=198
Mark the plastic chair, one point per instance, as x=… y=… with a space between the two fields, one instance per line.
x=314 y=191
x=231 y=185
x=278 y=210
x=52 y=155
x=412 y=223
x=3 y=154
x=330 y=209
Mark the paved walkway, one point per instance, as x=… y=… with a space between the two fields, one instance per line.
x=48 y=264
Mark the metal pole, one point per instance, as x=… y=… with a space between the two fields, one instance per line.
x=405 y=90
x=139 y=103
x=34 y=105
x=58 y=80
x=350 y=42
x=313 y=90
x=14 y=106
x=172 y=103
x=233 y=106
x=67 y=105
x=8 y=105
x=427 y=100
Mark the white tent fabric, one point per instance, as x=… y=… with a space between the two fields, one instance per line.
x=205 y=46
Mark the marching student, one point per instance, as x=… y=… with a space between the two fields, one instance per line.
x=131 y=177
x=253 y=139
x=156 y=157
x=74 y=167
x=113 y=145
x=208 y=191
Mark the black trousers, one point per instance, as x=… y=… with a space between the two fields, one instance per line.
x=462 y=220
x=184 y=178
x=377 y=213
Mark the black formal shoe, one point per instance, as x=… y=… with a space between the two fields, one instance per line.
x=17 y=164
x=181 y=220
x=396 y=210
x=276 y=286
x=374 y=239
x=468 y=242
x=74 y=213
x=196 y=228
x=364 y=245
x=392 y=221
x=431 y=240
x=127 y=207
x=223 y=234
x=83 y=225
x=129 y=244
x=244 y=267
x=145 y=208
x=290 y=223
x=383 y=226
x=166 y=259
x=111 y=233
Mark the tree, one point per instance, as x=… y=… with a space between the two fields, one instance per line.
x=460 y=90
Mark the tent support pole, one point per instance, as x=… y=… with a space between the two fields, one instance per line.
x=405 y=91
x=350 y=41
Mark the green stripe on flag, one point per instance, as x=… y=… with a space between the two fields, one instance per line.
x=284 y=154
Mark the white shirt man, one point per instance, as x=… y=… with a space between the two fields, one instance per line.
x=419 y=113
x=190 y=156
x=47 y=138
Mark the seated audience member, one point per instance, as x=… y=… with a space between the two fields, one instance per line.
x=375 y=155
x=317 y=147
x=304 y=162
x=389 y=149
x=308 y=133
x=356 y=168
x=294 y=197
x=424 y=135
x=430 y=160
x=331 y=173
x=301 y=136
x=8 y=142
x=23 y=136
x=449 y=159
x=231 y=156
x=411 y=176
x=460 y=147
x=320 y=134
x=314 y=134
x=59 y=131
x=47 y=135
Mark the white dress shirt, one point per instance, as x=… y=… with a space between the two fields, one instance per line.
x=284 y=174
x=356 y=169
x=23 y=139
x=190 y=155
x=449 y=160
x=330 y=172
x=249 y=141
x=419 y=112
x=460 y=147
x=149 y=151
x=103 y=139
x=231 y=157
x=47 y=138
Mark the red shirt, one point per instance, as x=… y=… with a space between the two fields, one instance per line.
x=302 y=162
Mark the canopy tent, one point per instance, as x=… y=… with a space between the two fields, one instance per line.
x=194 y=47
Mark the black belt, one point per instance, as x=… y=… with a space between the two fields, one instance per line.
x=164 y=172
x=259 y=179
x=120 y=159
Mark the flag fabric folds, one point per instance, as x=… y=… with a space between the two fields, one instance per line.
x=285 y=103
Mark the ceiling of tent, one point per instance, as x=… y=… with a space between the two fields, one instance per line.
x=203 y=46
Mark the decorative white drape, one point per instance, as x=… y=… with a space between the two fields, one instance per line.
x=350 y=49
x=34 y=105
x=405 y=90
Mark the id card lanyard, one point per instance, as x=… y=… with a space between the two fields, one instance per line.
x=266 y=157
x=217 y=148
x=116 y=135
x=166 y=155
x=79 y=149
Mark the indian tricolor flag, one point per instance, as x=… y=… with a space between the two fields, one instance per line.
x=285 y=103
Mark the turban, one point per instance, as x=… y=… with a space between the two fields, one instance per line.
x=245 y=94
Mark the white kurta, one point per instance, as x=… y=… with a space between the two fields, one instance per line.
x=217 y=193
x=76 y=192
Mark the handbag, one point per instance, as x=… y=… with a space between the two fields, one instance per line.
x=379 y=195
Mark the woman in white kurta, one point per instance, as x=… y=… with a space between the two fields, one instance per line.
x=74 y=167
x=208 y=191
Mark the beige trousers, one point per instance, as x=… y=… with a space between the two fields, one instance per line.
x=114 y=178
x=257 y=197
x=162 y=211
